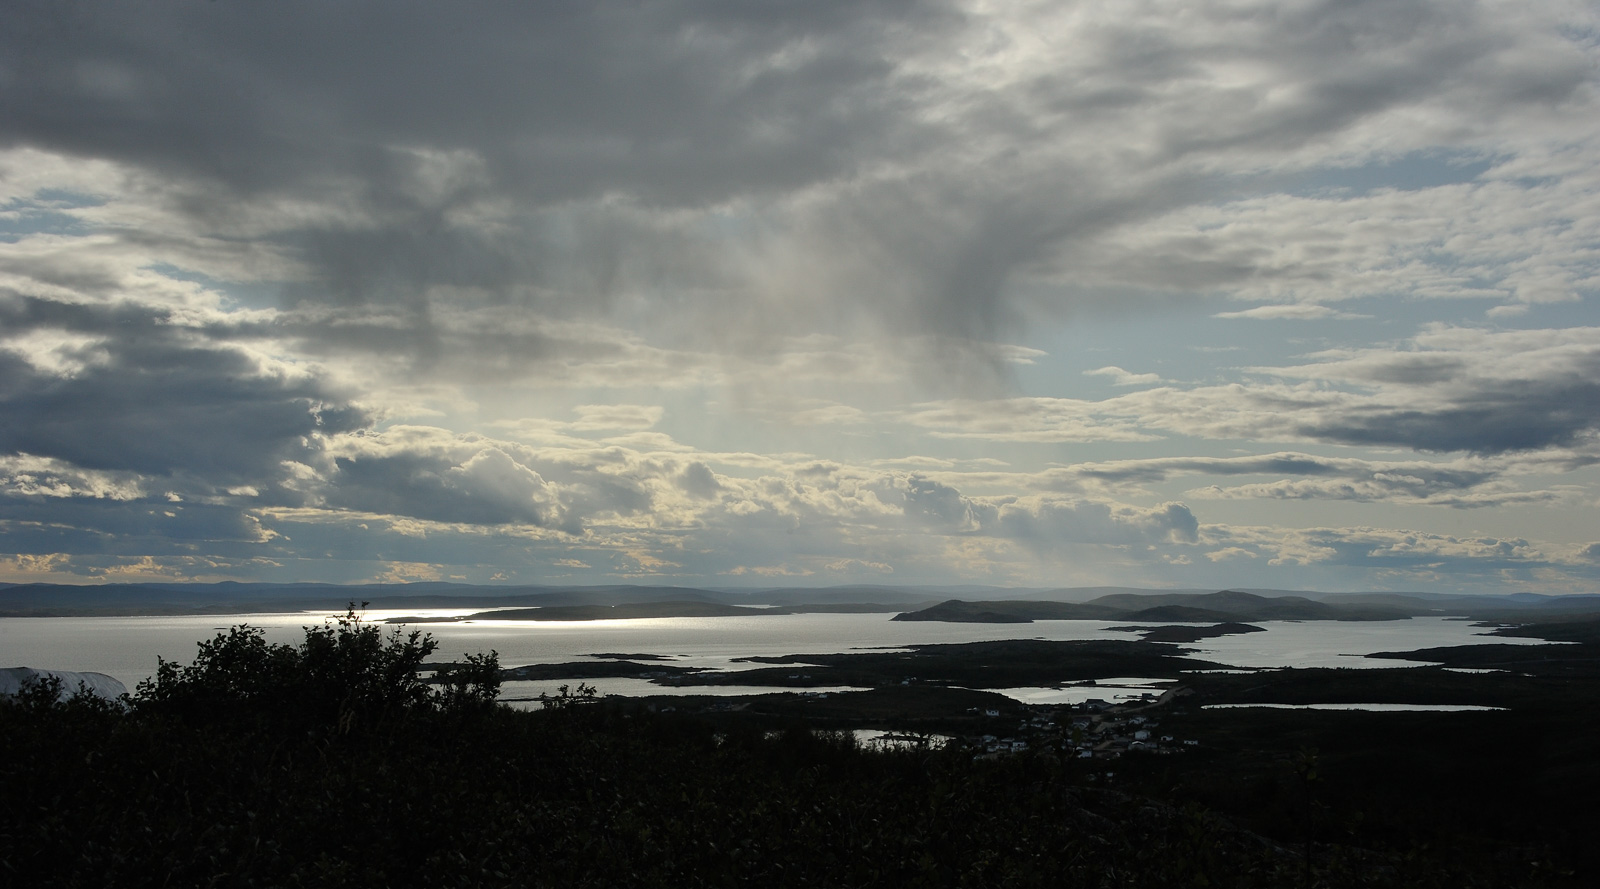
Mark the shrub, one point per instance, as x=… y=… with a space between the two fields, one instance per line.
x=346 y=673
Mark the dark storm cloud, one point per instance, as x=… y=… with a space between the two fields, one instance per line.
x=1350 y=479
x=1511 y=418
x=1508 y=391
x=674 y=101
x=1159 y=469
x=492 y=492
x=141 y=527
x=391 y=150
x=146 y=397
x=1468 y=390
x=432 y=475
x=537 y=153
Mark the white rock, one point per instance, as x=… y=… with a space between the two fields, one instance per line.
x=12 y=679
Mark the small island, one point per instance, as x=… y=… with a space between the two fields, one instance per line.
x=1185 y=634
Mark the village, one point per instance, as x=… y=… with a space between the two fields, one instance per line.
x=1093 y=729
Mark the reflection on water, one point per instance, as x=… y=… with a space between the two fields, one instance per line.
x=127 y=647
x=1121 y=690
x=1342 y=644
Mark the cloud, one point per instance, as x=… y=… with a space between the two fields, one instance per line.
x=371 y=289
x=1401 y=559
x=1467 y=482
x=617 y=416
x=1382 y=489
x=1037 y=419
x=1449 y=389
x=1120 y=377
x=1462 y=389
x=712 y=173
x=24 y=475
x=699 y=481
x=1295 y=312
x=131 y=391
x=1048 y=523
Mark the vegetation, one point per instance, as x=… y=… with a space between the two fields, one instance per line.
x=1009 y=663
x=349 y=760
x=345 y=673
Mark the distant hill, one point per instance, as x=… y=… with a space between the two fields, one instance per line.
x=1222 y=606
x=607 y=612
x=982 y=604
x=1013 y=611
x=1185 y=613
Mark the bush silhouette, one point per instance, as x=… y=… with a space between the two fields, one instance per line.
x=346 y=673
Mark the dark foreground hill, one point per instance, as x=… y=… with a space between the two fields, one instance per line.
x=334 y=763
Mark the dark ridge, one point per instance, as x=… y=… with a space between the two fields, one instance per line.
x=1180 y=613
x=1014 y=612
x=1184 y=635
x=607 y=612
x=1227 y=605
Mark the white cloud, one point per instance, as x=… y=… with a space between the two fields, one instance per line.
x=1294 y=312
x=1120 y=377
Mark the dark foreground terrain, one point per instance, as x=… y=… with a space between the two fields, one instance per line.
x=334 y=763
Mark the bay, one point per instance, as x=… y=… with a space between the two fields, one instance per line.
x=127 y=648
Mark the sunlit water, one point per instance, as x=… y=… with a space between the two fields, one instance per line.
x=127 y=648
x=1112 y=691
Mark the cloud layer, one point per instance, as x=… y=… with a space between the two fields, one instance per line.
x=837 y=291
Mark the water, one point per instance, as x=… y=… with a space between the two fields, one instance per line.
x=127 y=647
x=1342 y=643
x=1113 y=691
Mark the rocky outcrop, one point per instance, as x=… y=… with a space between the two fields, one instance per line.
x=12 y=679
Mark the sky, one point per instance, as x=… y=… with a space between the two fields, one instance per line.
x=1292 y=295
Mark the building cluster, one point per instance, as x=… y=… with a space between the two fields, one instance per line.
x=1095 y=729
